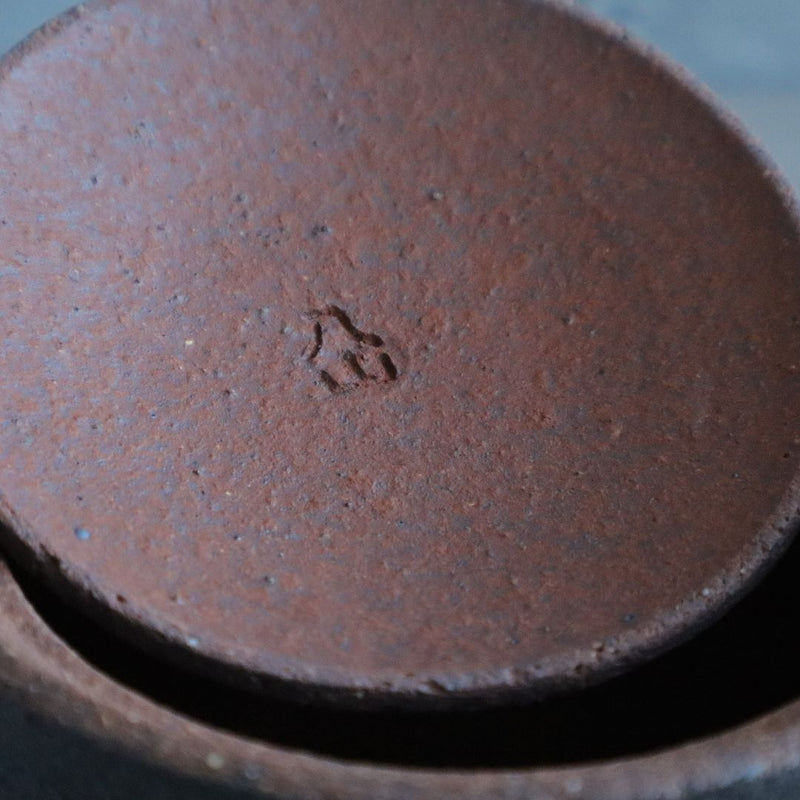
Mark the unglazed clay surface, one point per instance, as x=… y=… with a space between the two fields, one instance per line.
x=387 y=348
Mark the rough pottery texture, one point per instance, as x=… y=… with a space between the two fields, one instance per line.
x=387 y=354
x=332 y=370
x=70 y=731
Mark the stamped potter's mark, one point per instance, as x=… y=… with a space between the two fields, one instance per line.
x=345 y=356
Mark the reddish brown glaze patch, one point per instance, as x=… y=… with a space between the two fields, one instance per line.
x=384 y=348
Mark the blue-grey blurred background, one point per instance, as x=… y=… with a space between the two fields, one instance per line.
x=747 y=51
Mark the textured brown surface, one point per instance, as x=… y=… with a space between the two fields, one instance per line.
x=396 y=347
x=68 y=730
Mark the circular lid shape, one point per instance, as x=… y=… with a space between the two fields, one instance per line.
x=390 y=350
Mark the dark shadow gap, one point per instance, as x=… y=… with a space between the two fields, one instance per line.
x=746 y=664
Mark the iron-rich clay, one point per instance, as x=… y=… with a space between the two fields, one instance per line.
x=389 y=350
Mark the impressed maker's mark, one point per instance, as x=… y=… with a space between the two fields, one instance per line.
x=343 y=355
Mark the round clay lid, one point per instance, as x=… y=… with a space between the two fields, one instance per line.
x=389 y=350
